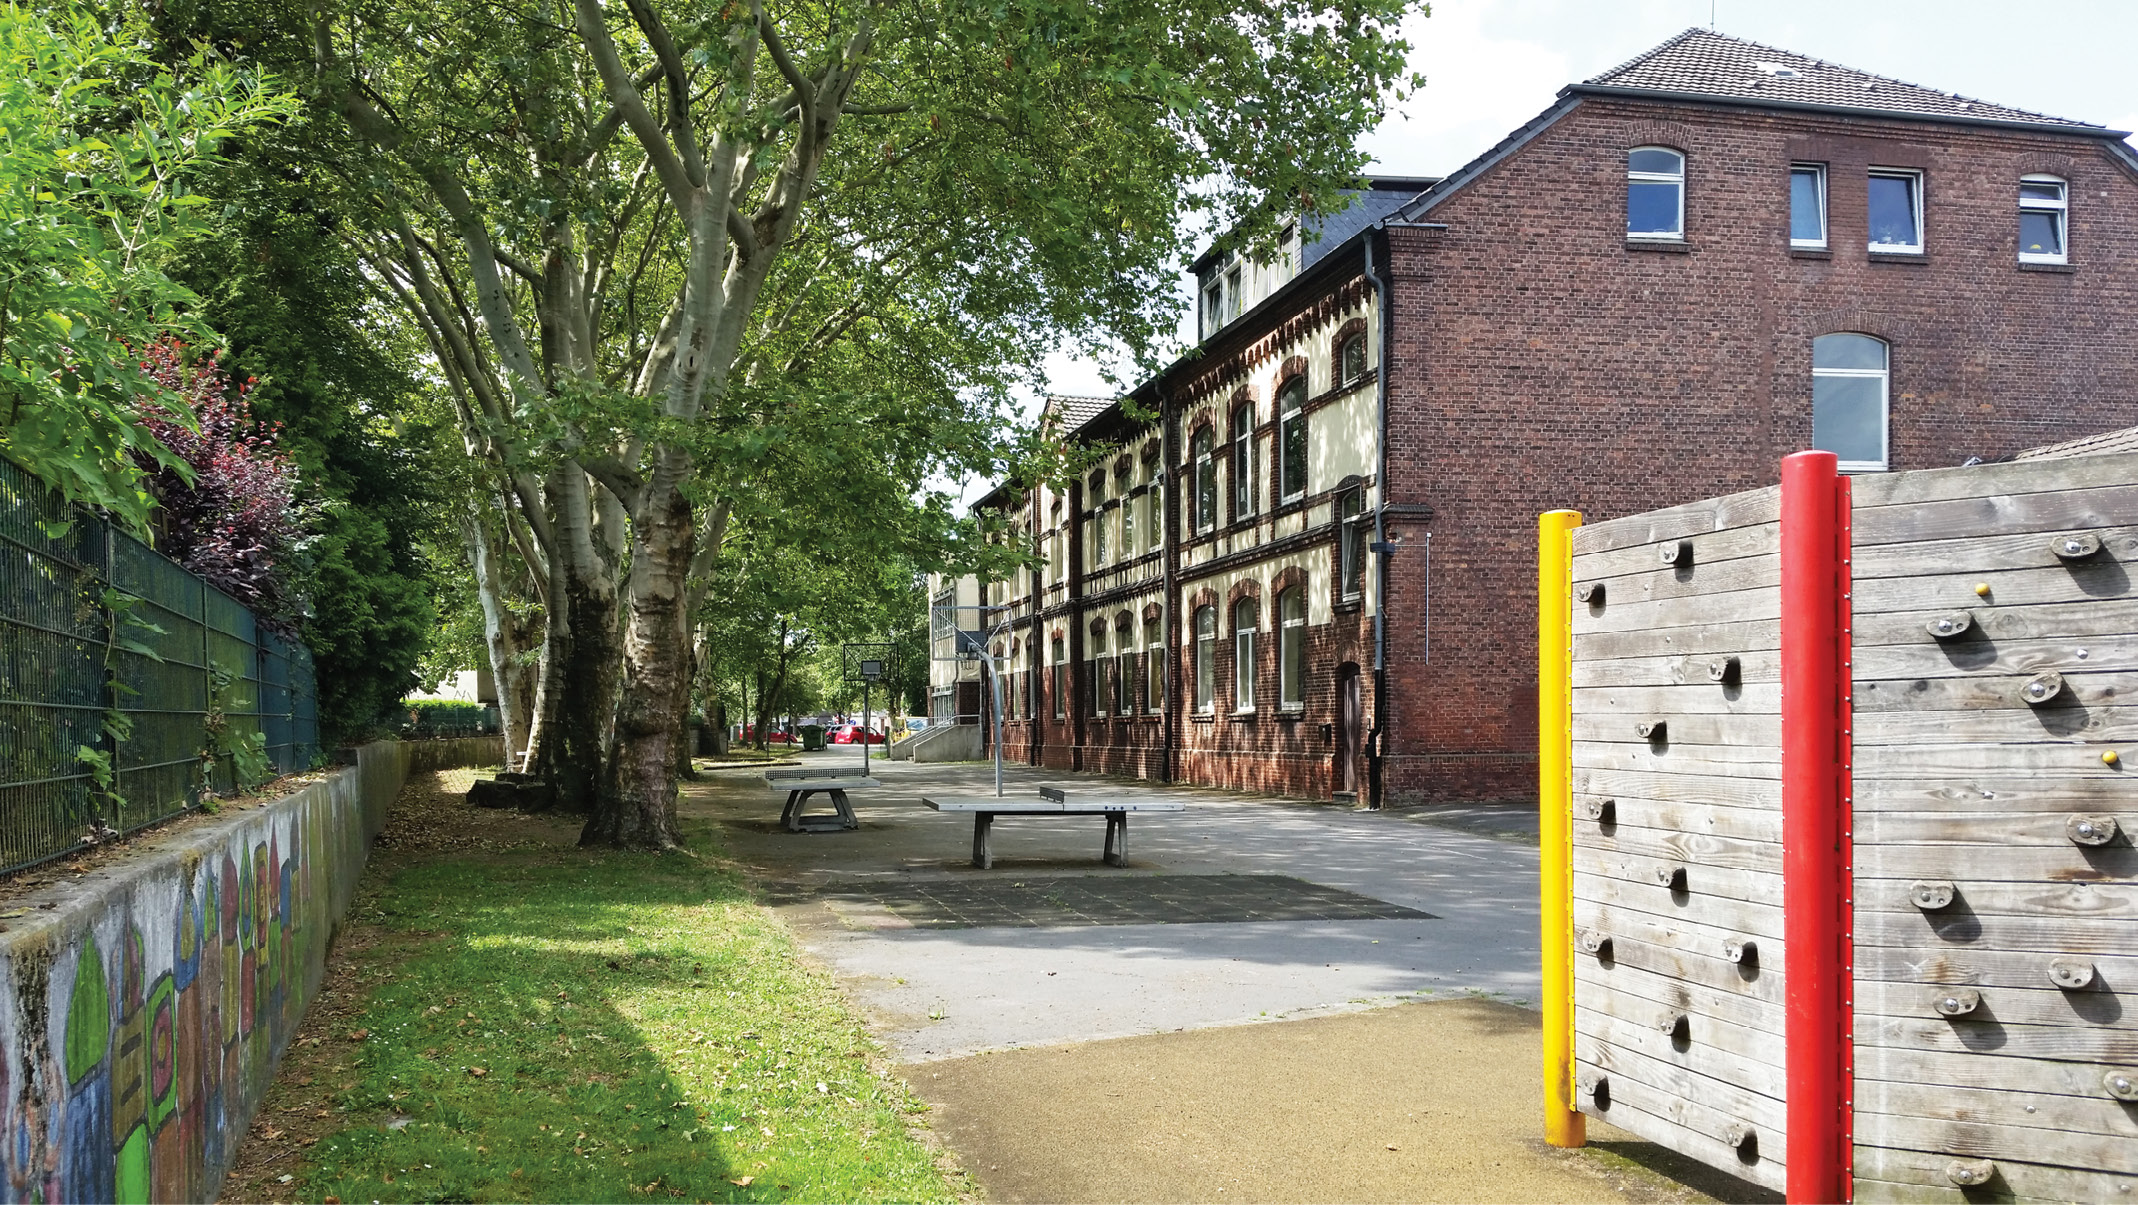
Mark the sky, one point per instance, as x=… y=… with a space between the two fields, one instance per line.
x=1491 y=65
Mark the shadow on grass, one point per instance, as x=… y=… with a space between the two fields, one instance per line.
x=558 y=1024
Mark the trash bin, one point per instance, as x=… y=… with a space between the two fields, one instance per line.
x=812 y=738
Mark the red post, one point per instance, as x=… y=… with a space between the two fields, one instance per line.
x=1815 y=758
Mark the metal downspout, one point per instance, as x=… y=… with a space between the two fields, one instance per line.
x=1169 y=540
x=1378 y=734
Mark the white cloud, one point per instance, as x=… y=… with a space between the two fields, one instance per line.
x=1477 y=88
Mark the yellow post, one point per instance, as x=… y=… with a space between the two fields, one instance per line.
x=1563 y=1126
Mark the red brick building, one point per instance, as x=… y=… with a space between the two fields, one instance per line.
x=1686 y=268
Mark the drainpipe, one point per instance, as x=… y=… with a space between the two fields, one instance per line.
x=1381 y=546
x=1169 y=541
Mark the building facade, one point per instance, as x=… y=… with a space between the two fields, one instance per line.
x=1302 y=559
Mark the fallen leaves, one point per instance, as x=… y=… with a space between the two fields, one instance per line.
x=358 y=1035
x=478 y=1072
x=745 y=1182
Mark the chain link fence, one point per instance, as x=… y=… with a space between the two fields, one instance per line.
x=114 y=665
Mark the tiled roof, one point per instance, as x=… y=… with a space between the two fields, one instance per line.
x=2102 y=444
x=1705 y=63
x=1067 y=411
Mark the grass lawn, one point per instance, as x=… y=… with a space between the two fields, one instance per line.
x=508 y=1017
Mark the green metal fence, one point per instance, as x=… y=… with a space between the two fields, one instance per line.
x=111 y=660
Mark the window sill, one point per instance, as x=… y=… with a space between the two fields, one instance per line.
x=1203 y=717
x=1293 y=714
x=2061 y=269
x=1243 y=713
x=1811 y=253
x=1675 y=245
x=1899 y=257
x=1351 y=602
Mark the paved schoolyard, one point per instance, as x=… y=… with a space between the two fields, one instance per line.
x=1094 y=1033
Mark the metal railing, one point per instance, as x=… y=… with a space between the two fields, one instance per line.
x=112 y=658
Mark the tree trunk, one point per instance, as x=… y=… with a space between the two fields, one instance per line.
x=505 y=638
x=640 y=811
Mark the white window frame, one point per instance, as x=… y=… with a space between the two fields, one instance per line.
x=1154 y=661
x=1885 y=405
x=1155 y=505
x=1214 y=304
x=2059 y=210
x=1096 y=656
x=1233 y=278
x=1204 y=665
x=1201 y=458
x=1818 y=170
x=1124 y=484
x=1291 y=652
x=1350 y=547
x=1677 y=178
x=1922 y=234
x=1243 y=660
x=1287 y=490
x=1365 y=359
x=1060 y=648
x=1240 y=460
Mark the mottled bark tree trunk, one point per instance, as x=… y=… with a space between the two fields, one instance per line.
x=641 y=813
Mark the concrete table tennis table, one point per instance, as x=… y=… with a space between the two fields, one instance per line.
x=799 y=785
x=1052 y=801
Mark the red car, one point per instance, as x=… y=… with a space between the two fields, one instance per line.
x=851 y=734
x=749 y=734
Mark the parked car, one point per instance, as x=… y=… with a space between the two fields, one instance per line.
x=852 y=734
x=778 y=736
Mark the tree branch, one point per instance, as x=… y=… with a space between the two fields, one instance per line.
x=594 y=32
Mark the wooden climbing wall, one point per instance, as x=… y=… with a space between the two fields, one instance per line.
x=1996 y=955
x=1677 y=830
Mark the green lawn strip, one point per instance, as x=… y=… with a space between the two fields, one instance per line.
x=595 y=1026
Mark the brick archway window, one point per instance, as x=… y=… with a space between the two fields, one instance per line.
x=1205 y=513
x=1243 y=655
x=1292 y=439
x=1154 y=663
x=1243 y=460
x=1850 y=381
x=1292 y=648
x=1205 y=659
x=1655 y=193
x=1351 y=359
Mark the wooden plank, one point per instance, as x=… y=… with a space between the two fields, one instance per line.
x=1968 y=1069
x=2001 y=658
x=2081 y=688
x=1709 y=515
x=1671 y=933
x=2051 y=935
x=1979 y=968
x=2042 y=725
x=1600 y=1004
x=1758 y=667
x=2094 y=579
x=1596 y=1057
x=1682 y=848
x=1681 y=788
x=1908 y=1172
x=1880 y=1102
x=1979 y=554
x=1916 y=761
x=1735 y=606
x=1708 y=970
x=1998 y=1040
x=1765 y=1170
x=2105 y=901
x=1736 y=730
x=1634 y=882
x=1744 y=824
x=1755 y=1064
x=1653 y=579
x=1721 y=637
x=1701 y=698
x=2073 y=864
x=1659 y=993
x=2097 y=789
x=1685 y=759
x=2039 y=1005
x=1990 y=835
x=1993 y=625
x=2064 y=510
x=1976 y=1140
x=1992 y=480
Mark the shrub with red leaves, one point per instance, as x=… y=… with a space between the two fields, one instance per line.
x=235 y=522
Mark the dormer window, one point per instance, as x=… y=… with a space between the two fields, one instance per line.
x=1213 y=305
x=1233 y=300
x=1655 y=194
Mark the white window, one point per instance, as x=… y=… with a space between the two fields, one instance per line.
x=1155 y=504
x=1807 y=206
x=1154 y=664
x=1205 y=660
x=1849 y=381
x=1655 y=193
x=1243 y=461
x=1292 y=439
x=1205 y=483
x=1061 y=695
x=1351 y=359
x=1233 y=300
x=1096 y=682
x=1213 y=305
x=1292 y=648
x=1099 y=519
x=1124 y=663
x=1351 y=541
x=1895 y=200
x=1122 y=485
x=2042 y=209
x=1243 y=655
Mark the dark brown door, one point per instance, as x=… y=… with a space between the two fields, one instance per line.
x=1350 y=720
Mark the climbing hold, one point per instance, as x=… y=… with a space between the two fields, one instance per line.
x=1595 y=941
x=2041 y=688
x=1676 y=552
x=2109 y=757
x=1740 y=949
x=1958 y=1001
x=1599 y=808
x=1982 y=589
x=2121 y=1082
x=1945 y=627
x=1591 y=593
x=1930 y=894
x=2091 y=830
x=1653 y=730
x=2070 y=974
x=1724 y=669
x=2075 y=547
x=1970 y=1173
x=1671 y=1021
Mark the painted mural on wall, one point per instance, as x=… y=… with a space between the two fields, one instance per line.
x=143 y=1018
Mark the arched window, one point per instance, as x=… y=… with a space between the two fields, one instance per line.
x=1097 y=505
x=1122 y=485
x=1243 y=655
x=1205 y=483
x=1655 y=193
x=1292 y=439
x=1243 y=461
x=1849 y=380
x=1123 y=699
x=1061 y=693
x=1351 y=541
x=1205 y=659
x=1155 y=512
x=1095 y=681
x=1351 y=359
x=2043 y=206
x=1154 y=664
x=1292 y=648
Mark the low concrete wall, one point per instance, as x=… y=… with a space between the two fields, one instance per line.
x=146 y=1005
x=950 y=742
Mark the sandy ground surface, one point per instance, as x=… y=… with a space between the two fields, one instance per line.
x=1130 y=1058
